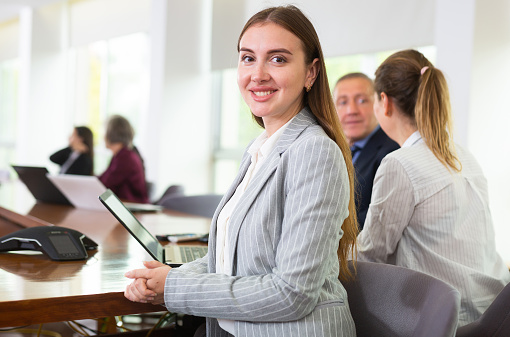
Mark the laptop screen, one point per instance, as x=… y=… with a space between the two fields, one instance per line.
x=128 y=220
x=39 y=185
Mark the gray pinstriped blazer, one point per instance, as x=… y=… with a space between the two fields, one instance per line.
x=284 y=232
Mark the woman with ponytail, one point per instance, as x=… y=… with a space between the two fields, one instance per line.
x=429 y=209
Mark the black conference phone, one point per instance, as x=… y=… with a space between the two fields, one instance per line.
x=58 y=243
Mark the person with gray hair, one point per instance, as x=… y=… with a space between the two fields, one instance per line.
x=125 y=175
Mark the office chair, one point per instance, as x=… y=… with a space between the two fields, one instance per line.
x=494 y=322
x=387 y=300
x=201 y=331
x=200 y=205
x=172 y=190
x=150 y=189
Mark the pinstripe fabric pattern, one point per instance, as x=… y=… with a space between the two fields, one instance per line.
x=284 y=234
x=429 y=219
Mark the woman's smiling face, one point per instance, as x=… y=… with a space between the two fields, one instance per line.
x=272 y=73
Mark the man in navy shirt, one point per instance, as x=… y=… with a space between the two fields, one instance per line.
x=354 y=100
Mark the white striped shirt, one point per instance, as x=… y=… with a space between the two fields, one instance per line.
x=425 y=217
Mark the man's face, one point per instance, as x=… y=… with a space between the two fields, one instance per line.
x=354 y=100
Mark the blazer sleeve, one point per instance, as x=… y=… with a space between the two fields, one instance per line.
x=315 y=204
x=199 y=266
x=61 y=156
x=390 y=212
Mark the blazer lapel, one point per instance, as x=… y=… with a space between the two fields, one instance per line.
x=300 y=122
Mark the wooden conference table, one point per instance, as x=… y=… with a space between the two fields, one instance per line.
x=35 y=289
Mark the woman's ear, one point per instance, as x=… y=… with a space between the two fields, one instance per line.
x=313 y=71
x=387 y=104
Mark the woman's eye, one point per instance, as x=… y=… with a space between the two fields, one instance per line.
x=278 y=59
x=246 y=58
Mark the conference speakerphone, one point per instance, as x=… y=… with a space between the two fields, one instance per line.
x=58 y=243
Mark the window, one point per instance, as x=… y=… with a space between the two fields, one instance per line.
x=8 y=113
x=234 y=129
x=111 y=78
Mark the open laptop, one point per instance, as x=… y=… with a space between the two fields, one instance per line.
x=82 y=192
x=172 y=255
x=39 y=185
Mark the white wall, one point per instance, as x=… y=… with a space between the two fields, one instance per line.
x=489 y=109
x=454 y=27
x=227 y=22
x=92 y=20
x=184 y=142
x=9 y=33
x=473 y=48
x=344 y=27
x=41 y=83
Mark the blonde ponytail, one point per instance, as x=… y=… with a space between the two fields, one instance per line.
x=433 y=117
x=421 y=93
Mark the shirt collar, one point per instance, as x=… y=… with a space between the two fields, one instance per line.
x=413 y=139
x=265 y=144
x=361 y=143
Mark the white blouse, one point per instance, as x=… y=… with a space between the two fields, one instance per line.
x=259 y=151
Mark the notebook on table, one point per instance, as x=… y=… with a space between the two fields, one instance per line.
x=39 y=185
x=172 y=255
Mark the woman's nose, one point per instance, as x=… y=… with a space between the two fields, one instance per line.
x=260 y=73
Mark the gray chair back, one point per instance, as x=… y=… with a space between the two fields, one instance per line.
x=200 y=205
x=172 y=190
x=387 y=300
x=494 y=322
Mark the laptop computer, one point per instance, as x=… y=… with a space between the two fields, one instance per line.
x=39 y=185
x=82 y=192
x=172 y=255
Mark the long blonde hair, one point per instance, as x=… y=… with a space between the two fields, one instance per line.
x=320 y=102
x=421 y=93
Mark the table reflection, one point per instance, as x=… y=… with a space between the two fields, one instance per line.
x=38 y=267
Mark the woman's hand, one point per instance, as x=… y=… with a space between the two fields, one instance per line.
x=148 y=285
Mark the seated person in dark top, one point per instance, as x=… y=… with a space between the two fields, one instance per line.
x=354 y=100
x=78 y=157
x=125 y=175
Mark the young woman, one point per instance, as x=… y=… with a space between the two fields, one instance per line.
x=429 y=209
x=125 y=175
x=78 y=157
x=280 y=237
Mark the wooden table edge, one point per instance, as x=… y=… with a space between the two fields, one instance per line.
x=60 y=309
